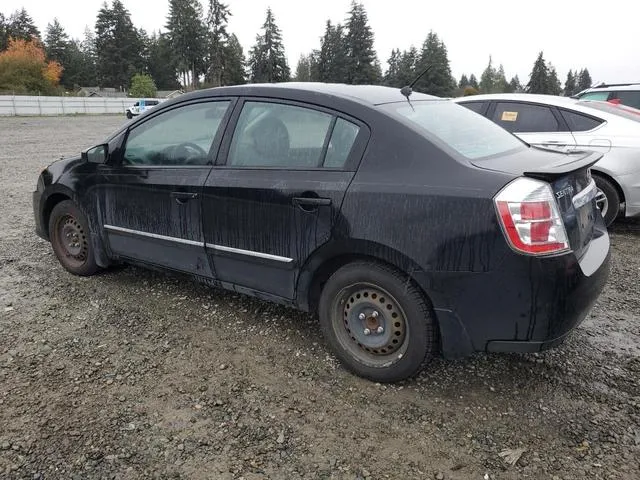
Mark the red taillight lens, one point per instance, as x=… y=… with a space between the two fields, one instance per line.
x=530 y=218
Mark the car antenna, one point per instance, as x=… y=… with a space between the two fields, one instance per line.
x=408 y=89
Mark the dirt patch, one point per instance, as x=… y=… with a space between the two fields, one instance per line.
x=133 y=374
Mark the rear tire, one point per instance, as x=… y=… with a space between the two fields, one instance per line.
x=71 y=239
x=608 y=199
x=377 y=322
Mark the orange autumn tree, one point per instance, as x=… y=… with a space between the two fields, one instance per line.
x=25 y=69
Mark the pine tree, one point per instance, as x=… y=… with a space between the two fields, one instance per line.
x=361 y=65
x=570 y=85
x=4 y=32
x=267 y=60
x=464 y=81
x=473 y=82
x=21 y=26
x=89 y=59
x=118 y=46
x=67 y=53
x=584 y=80
x=391 y=76
x=333 y=57
x=438 y=80
x=187 y=34
x=408 y=65
x=303 y=69
x=500 y=84
x=539 y=77
x=514 y=85
x=162 y=63
x=234 y=70
x=554 y=86
x=488 y=77
x=217 y=20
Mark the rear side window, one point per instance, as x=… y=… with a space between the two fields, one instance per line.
x=462 y=130
x=473 y=106
x=341 y=142
x=629 y=113
x=630 y=98
x=578 y=122
x=277 y=135
x=525 y=117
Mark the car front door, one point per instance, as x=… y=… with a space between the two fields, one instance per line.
x=536 y=124
x=274 y=196
x=149 y=198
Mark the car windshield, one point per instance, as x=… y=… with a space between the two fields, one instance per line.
x=624 y=111
x=461 y=129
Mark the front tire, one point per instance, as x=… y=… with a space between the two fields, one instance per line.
x=377 y=322
x=607 y=199
x=129 y=115
x=71 y=239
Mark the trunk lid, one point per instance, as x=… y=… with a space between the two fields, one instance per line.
x=570 y=179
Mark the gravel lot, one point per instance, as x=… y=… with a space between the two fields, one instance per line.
x=133 y=374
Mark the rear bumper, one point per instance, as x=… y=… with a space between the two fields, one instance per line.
x=527 y=305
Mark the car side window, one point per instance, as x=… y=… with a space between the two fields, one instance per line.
x=182 y=136
x=342 y=139
x=630 y=98
x=278 y=135
x=474 y=106
x=578 y=122
x=525 y=117
x=600 y=96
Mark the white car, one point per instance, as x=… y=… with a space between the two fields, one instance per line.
x=566 y=124
x=140 y=106
x=619 y=93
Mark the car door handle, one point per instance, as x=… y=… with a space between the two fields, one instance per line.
x=183 y=197
x=311 y=201
x=554 y=142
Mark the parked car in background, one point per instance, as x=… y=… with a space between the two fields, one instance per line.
x=621 y=93
x=409 y=227
x=141 y=106
x=567 y=124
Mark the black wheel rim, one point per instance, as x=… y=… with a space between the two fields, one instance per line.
x=370 y=324
x=72 y=240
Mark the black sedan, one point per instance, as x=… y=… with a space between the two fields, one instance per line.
x=410 y=225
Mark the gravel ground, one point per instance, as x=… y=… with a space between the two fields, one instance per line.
x=133 y=374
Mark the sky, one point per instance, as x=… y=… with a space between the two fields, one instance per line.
x=571 y=35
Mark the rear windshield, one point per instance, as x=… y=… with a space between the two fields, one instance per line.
x=461 y=129
x=629 y=113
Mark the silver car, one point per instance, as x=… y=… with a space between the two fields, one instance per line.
x=565 y=124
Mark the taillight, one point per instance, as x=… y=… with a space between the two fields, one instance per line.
x=530 y=218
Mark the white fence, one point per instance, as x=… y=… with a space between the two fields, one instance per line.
x=11 y=105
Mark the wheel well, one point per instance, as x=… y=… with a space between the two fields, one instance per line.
x=52 y=201
x=598 y=173
x=330 y=266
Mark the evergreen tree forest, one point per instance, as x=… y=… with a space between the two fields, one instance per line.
x=196 y=49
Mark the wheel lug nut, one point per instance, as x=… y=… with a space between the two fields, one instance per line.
x=380 y=330
x=362 y=316
x=367 y=331
x=375 y=314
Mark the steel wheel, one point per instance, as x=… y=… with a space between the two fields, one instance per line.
x=73 y=240
x=370 y=324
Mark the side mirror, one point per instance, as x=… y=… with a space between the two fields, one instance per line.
x=97 y=154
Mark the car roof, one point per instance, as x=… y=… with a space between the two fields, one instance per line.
x=612 y=88
x=521 y=97
x=365 y=94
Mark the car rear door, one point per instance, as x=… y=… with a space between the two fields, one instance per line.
x=149 y=199
x=275 y=193
x=536 y=124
